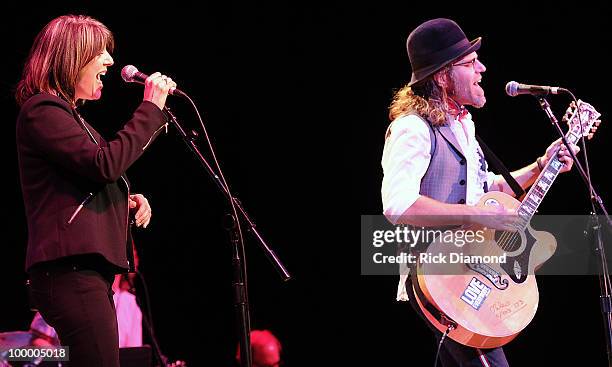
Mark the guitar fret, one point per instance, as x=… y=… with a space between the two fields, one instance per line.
x=543 y=185
x=550 y=175
x=529 y=201
x=528 y=209
x=524 y=213
x=535 y=199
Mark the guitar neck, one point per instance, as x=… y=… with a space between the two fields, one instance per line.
x=540 y=188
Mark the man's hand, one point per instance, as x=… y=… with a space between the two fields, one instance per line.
x=497 y=217
x=564 y=155
x=140 y=204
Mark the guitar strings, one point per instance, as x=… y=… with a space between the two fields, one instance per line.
x=512 y=240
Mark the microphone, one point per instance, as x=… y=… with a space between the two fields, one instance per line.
x=513 y=89
x=130 y=74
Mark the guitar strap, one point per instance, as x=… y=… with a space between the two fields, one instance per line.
x=501 y=168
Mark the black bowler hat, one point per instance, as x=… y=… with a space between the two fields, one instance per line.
x=434 y=44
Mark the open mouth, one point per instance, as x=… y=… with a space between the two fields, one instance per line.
x=100 y=75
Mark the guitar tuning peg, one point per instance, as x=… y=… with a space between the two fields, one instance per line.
x=593 y=129
x=597 y=122
x=590 y=136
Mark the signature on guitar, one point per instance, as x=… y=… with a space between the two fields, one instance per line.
x=505 y=309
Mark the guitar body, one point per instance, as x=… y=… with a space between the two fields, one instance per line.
x=490 y=303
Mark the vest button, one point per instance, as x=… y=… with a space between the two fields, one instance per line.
x=462 y=201
x=462 y=182
x=462 y=162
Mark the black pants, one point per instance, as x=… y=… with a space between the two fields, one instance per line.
x=77 y=300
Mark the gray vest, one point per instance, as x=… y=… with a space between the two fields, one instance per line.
x=446 y=177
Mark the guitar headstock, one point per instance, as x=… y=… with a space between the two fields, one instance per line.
x=583 y=119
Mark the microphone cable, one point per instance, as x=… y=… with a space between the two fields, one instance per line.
x=448 y=330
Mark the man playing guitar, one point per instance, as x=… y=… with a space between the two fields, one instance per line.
x=434 y=168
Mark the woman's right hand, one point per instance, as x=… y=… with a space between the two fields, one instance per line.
x=157 y=87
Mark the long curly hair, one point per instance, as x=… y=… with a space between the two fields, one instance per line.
x=426 y=99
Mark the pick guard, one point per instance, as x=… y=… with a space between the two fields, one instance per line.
x=517 y=266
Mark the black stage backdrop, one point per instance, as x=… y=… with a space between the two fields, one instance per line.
x=295 y=98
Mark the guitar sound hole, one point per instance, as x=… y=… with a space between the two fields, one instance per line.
x=508 y=241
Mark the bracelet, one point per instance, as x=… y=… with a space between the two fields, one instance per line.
x=539 y=161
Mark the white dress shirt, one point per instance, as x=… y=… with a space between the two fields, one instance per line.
x=129 y=319
x=405 y=159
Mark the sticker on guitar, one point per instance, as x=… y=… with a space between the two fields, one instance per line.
x=475 y=293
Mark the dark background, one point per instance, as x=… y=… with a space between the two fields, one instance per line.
x=295 y=99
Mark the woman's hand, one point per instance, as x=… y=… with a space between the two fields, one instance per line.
x=140 y=204
x=157 y=87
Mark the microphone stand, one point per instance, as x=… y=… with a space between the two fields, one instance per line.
x=147 y=318
x=240 y=282
x=594 y=226
x=163 y=360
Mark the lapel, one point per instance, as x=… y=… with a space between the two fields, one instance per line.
x=447 y=133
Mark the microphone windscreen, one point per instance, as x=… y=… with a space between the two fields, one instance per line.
x=128 y=72
x=512 y=89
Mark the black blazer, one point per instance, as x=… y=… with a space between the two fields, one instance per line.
x=62 y=168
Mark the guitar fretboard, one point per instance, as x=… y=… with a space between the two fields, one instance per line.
x=536 y=194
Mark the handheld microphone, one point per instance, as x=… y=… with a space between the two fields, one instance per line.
x=514 y=89
x=130 y=74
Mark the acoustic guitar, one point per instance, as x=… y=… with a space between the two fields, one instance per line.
x=486 y=305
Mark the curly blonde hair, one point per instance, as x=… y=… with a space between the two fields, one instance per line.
x=426 y=99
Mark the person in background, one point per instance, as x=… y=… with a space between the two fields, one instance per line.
x=265 y=349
